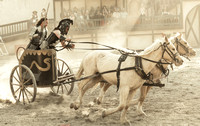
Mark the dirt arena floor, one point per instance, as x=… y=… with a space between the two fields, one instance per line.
x=176 y=104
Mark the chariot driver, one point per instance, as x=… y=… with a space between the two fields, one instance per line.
x=59 y=33
x=38 y=34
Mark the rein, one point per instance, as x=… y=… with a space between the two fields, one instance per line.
x=95 y=43
x=113 y=48
x=138 y=68
x=92 y=49
x=98 y=74
x=159 y=62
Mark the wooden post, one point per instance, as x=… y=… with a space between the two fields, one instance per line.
x=85 y=5
x=100 y=4
x=62 y=12
x=70 y=5
x=54 y=11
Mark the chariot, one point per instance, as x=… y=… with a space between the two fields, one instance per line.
x=39 y=68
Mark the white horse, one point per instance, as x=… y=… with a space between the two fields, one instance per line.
x=130 y=81
x=184 y=49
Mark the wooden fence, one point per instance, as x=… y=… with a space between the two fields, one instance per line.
x=85 y=26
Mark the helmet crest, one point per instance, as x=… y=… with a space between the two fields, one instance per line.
x=63 y=24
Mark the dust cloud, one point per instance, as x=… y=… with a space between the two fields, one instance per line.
x=5 y=91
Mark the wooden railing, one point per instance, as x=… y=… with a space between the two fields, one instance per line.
x=85 y=26
x=14 y=28
x=162 y=22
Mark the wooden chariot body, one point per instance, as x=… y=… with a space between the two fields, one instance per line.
x=43 y=65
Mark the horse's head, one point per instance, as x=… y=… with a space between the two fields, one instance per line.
x=170 y=53
x=183 y=47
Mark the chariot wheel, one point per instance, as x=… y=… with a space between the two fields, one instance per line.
x=65 y=74
x=23 y=84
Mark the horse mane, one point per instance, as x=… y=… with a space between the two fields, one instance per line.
x=152 y=47
x=172 y=38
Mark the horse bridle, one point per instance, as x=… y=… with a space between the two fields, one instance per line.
x=169 y=52
x=177 y=41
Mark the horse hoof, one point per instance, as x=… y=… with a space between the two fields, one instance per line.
x=95 y=100
x=98 y=102
x=103 y=114
x=144 y=114
x=71 y=105
x=141 y=112
x=75 y=107
x=126 y=123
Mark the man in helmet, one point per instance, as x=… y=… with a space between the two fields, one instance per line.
x=38 y=34
x=58 y=34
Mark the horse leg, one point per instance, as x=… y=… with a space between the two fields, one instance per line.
x=90 y=83
x=124 y=91
x=96 y=100
x=148 y=88
x=104 y=86
x=78 y=101
x=143 y=93
x=123 y=118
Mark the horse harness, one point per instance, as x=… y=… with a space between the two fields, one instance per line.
x=160 y=66
x=139 y=67
x=162 y=69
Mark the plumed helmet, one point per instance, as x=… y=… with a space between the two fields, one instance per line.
x=63 y=24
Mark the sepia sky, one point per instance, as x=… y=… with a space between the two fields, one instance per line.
x=19 y=10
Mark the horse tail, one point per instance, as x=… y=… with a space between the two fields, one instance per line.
x=80 y=71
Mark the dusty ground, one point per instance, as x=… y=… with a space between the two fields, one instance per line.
x=175 y=104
